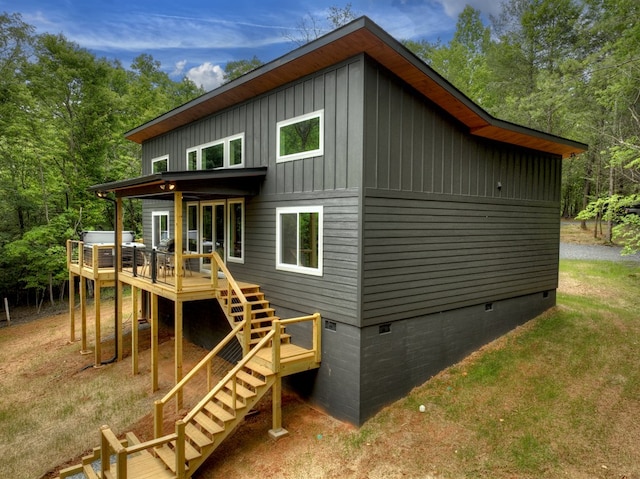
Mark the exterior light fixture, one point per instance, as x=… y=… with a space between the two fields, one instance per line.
x=168 y=186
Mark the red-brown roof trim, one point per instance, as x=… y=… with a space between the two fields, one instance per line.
x=359 y=36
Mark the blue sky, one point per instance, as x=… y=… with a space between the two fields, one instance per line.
x=196 y=38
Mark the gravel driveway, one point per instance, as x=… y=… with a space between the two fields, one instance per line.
x=591 y=252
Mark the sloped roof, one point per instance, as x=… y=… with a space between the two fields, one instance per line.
x=360 y=36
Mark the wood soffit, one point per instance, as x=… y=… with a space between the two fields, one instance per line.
x=360 y=36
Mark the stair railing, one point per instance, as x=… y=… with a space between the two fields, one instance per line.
x=111 y=445
x=233 y=291
x=205 y=362
x=231 y=376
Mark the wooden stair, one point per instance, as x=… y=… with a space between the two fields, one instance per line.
x=261 y=317
x=267 y=357
x=208 y=425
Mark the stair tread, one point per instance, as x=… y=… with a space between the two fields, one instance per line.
x=219 y=412
x=241 y=390
x=167 y=455
x=226 y=399
x=249 y=379
x=197 y=436
x=259 y=368
x=190 y=452
x=209 y=424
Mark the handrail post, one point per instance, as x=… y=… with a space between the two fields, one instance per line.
x=275 y=347
x=246 y=335
x=179 y=451
x=317 y=341
x=158 y=413
x=104 y=451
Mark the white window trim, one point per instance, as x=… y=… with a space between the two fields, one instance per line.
x=226 y=160
x=235 y=259
x=293 y=268
x=153 y=225
x=159 y=159
x=304 y=154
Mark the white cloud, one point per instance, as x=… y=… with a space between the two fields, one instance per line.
x=453 y=7
x=207 y=75
x=179 y=68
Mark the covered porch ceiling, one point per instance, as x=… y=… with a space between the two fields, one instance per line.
x=194 y=185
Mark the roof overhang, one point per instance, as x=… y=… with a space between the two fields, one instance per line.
x=358 y=37
x=195 y=185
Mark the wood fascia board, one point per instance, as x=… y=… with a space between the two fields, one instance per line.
x=538 y=142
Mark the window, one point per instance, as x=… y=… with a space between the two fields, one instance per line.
x=225 y=153
x=159 y=165
x=300 y=137
x=236 y=230
x=192 y=227
x=299 y=239
x=159 y=227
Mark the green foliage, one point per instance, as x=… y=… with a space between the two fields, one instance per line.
x=62 y=117
x=235 y=69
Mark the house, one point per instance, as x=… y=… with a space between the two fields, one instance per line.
x=349 y=179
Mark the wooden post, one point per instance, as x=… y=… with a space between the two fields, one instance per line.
x=180 y=449
x=97 y=349
x=118 y=269
x=177 y=240
x=72 y=295
x=178 y=349
x=154 y=342
x=158 y=419
x=277 y=431
x=83 y=314
x=118 y=321
x=134 y=330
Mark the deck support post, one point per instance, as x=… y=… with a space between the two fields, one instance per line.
x=277 y=431
x=83 y=314
x=118 y=313
x=134 y=330
x=178 y=349
x=154 y=342
x=97 y=348
x=72 y=307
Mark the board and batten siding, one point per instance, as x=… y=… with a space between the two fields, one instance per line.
x=449 y=220
x=336 y=90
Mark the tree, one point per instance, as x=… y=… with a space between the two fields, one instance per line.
x=238 y=68
x=311 y=27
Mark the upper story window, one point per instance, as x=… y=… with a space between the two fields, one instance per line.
x=160 y=165
x=299 y=239
x=300 y=137
x=224 y=153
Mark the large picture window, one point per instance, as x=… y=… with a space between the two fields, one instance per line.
x=225 y=153
x=300 y=137
x=299 y=239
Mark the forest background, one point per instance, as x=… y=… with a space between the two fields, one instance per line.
x=566 y=67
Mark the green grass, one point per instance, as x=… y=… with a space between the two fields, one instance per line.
x=542 y=399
